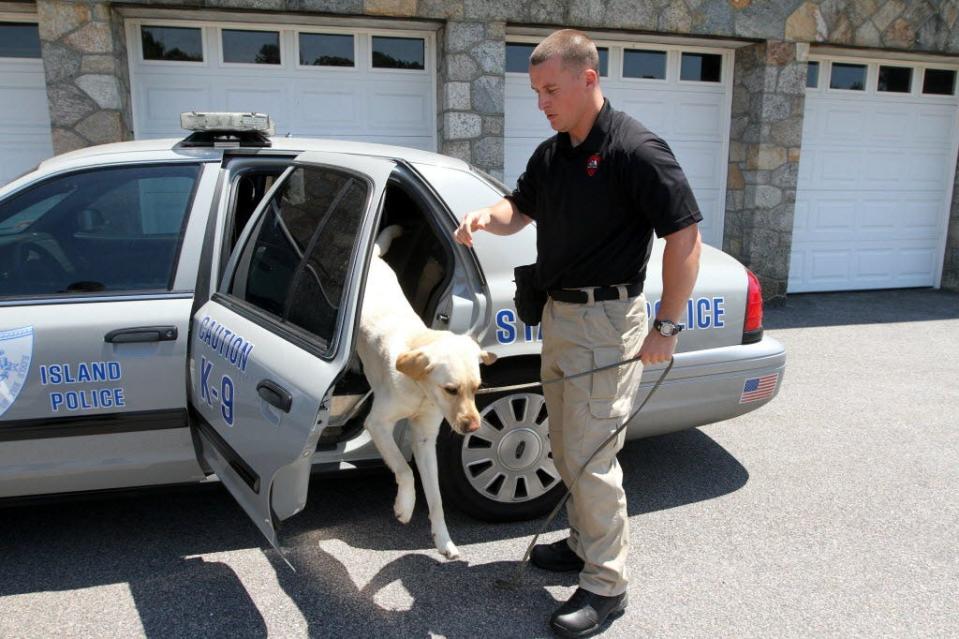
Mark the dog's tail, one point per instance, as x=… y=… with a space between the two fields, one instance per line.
x=385 y=238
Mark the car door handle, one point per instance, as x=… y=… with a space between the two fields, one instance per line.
x=275 y=395
x=142 y=334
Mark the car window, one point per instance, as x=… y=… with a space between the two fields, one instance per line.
x=114 y=230
x=295 y=264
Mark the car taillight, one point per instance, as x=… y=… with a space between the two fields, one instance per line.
x=753 y=326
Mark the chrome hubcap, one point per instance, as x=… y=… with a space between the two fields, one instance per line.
x=507 y=459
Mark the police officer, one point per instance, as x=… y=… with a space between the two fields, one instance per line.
x=597 y=190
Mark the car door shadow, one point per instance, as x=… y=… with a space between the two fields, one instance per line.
x=174 y=551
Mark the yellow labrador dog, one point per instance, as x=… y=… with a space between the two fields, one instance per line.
x=417 y=374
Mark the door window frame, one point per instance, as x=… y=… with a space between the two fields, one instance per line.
x=110 y=296
x=296 y=335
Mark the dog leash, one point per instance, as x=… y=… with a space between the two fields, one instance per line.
x=513 y=582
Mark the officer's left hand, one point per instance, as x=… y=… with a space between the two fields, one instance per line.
x=657 y=348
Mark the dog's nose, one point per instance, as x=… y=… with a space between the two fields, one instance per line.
x=469 y=425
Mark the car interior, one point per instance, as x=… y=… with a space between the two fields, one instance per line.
x=422 y=261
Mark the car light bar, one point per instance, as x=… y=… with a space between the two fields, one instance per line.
x=227 y=122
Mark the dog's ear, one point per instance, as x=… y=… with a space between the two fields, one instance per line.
x=487 y=358
x=414 y=364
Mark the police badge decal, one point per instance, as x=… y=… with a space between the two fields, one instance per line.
x=592 y=164
x=16 y=350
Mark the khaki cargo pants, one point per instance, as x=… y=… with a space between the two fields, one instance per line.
x=583 y=413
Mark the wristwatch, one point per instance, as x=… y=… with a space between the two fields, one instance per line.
x=667 y=328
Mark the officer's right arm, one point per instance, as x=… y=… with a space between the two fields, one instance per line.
x=502 y=218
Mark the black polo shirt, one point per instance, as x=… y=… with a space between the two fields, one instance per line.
x=596 y=205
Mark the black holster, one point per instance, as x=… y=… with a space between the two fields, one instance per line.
x=530 y=298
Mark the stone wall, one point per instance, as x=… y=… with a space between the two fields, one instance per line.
x=764 y=150
x=88 y=87
x=473 y=91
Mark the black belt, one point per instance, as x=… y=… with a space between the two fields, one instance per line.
x=600 y=293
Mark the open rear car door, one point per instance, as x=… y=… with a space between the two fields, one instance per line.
x=267 y=348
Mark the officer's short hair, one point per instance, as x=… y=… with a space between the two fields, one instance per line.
x=574 y=47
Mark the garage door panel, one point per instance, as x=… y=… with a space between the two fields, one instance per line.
x=837 y=169
x=701 y=162
x=698 y=120
x=888 y=126
x=712 y=209
x=883 y=170
x=829 y=266
x=927 y=170
x=843 y=124
x=324 y=109
x=653 y=113
x=160 y=108
x=932 y=123
x=388 y=109
x=274 y=101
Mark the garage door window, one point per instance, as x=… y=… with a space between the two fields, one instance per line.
x=701 y=67
x=251 y=47
x=399 y=53
x=177 y=44
x=647 y=65
x=812 y=75
x=895 y=79
x=19 y=40
x=327 y=50
x=109 y=230
x=296 y=263
x=849 y=77
x=518 y=53
x=939 y=82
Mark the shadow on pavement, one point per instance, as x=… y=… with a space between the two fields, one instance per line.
x=151 y=540
x=802 y=310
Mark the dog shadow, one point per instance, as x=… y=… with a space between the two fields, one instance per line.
x=150 y=543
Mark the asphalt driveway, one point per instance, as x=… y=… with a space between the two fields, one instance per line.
x=833 y=511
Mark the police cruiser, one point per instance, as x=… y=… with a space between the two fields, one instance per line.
x=175 y=310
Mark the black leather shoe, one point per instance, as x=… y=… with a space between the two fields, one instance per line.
x=585 y=613
x=557 y=557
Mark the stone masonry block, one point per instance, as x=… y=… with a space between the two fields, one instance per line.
x=102 y=88
x=98 y=64
x=489 y=94
x=765 y=157
x=806 y=24
x=56 y=19
x=461 y=68
x=60 y=63
x=65 y=140
x=93 y=37
x=102 y=127
x=462 y=126
x=390 y=7
x=491 y=56
x=457 y=96
x=461 y=36
x=488 y=152
x=68 y=104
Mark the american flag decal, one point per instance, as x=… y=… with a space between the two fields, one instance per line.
x=757 y=388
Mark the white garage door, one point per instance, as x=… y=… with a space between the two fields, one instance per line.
x=878 y=159
x=24 y=116
x=375 y=86
x=680 y=93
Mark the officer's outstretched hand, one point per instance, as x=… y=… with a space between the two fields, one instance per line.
x=473 y=221
x=657 y=348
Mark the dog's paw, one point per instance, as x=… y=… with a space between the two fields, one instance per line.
x=448 y=549
x=403 y=507
x=445 y=545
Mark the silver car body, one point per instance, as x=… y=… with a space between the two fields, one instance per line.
x=40 y=454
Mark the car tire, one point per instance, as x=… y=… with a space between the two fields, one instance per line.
x=503 y=471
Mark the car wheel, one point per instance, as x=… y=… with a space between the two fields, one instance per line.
x=503 y=471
